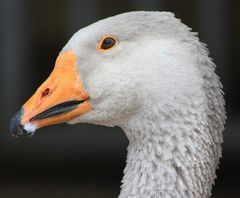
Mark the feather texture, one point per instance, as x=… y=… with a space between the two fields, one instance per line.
x=159 y=85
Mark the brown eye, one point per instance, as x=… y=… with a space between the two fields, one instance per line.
x=107 y=43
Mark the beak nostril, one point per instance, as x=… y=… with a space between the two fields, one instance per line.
x=45 y=92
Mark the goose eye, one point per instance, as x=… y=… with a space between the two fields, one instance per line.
x=107 y=42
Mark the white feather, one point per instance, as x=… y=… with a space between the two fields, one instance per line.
x=160 y=87
x=30 y=127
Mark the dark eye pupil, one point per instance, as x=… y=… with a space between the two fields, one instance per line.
x=108 y=43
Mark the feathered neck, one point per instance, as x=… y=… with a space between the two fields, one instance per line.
x=170 y=155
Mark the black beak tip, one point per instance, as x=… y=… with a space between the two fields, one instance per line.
x=16 y=128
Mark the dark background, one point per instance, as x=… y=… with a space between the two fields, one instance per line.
x=86 y=160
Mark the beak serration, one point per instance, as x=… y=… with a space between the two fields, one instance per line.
x=58 y=109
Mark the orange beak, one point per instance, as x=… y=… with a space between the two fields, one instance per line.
x=59 y=99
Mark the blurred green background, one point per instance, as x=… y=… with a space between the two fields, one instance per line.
x=86 y=160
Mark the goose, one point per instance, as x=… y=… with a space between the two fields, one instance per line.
x=147 y=73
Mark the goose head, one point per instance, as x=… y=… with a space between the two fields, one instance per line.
x=113 y=70
x=148 y=74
